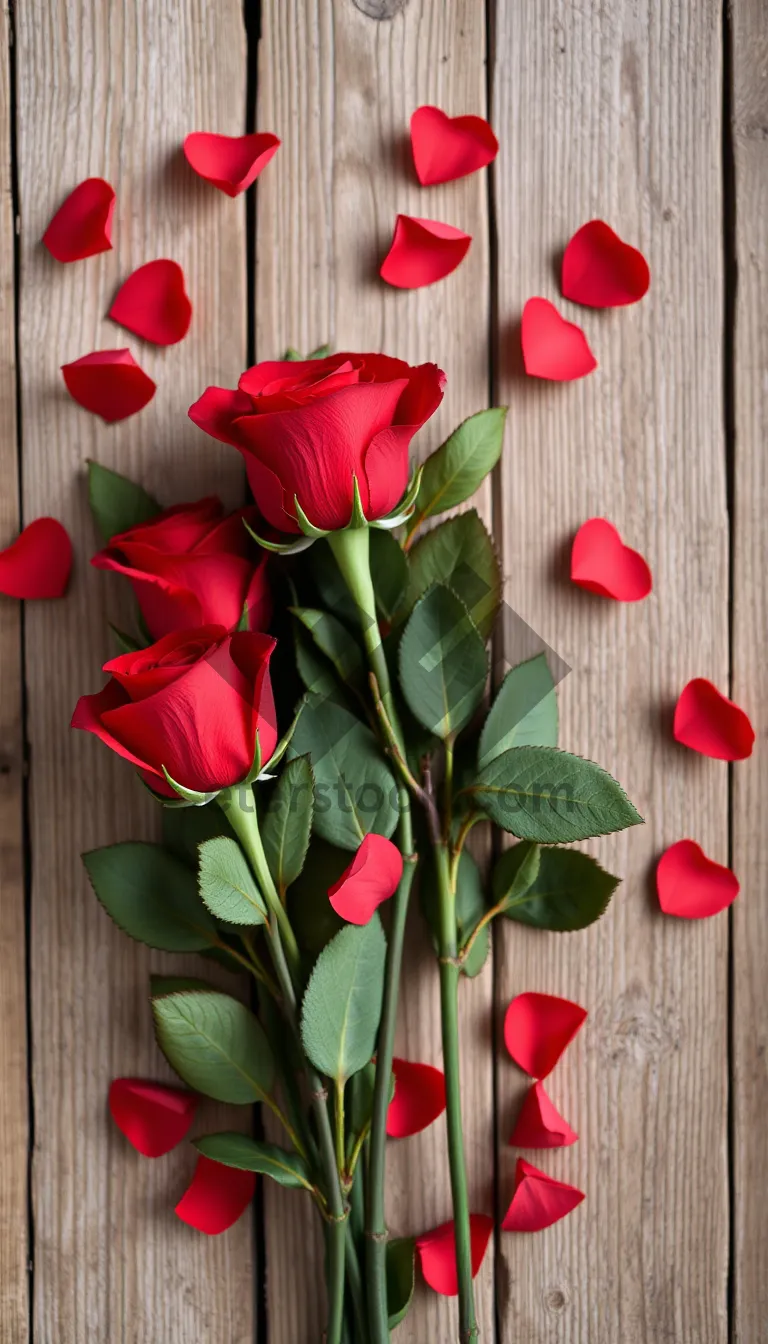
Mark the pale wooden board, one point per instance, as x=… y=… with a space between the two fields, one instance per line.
x=750 y=684
x=339 y=87
x=14 y=1120
x=112 y=90
x=614 y=111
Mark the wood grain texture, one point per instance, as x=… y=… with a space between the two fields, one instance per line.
x=112 y=90
x=749 y=20
x=613 y=110
x=339 y=87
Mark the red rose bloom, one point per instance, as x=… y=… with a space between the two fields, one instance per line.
x=307 y=428
x=192 y=565
x=192 y=703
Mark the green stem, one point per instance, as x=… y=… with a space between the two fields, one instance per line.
x=245 y=823
x=339 y=1127
x=336 y=1241
x=355 y=1282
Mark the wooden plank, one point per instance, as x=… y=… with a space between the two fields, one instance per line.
x=613 y=111
x=112 y=90
x=14 y=1119
x=338 y=86
x=749 y=21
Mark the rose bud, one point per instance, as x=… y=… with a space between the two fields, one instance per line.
x=308 y=429
x=192 y=565
x=191 y=705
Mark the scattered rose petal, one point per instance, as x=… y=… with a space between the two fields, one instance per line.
x=538 y=1200
x=423 y=251
x=372 y=877
x=82 y=226
x=537 y=1029
x=692 y=886
x=217 y=1196
x=419 y=1098
x=539 y=1124
x=38 y=562
x=437 y=1253
x=230 y=162
x=154 y=304
x=153 y=1117
x=709 y=723
x=602 y=563
x=109 y=383
x=601 y=271
x=445 y=148
x=552 y=347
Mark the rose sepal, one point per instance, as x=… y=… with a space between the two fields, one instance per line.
x=190 y=797
x=280 y=547
x=309 y=529
x=406 y=506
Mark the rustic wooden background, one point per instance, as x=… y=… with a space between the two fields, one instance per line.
x=654 y=115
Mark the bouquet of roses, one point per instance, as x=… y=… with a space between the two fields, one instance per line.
x=290 y=819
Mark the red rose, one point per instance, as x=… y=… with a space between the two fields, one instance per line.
x=193 y=703
x=307 y=428
x=192 y=565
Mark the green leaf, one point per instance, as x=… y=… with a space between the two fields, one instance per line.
x=389 y=571
x=539 y=793
x=160 y=985
x=524 y=713
x=455 y=470
x=401 y=1278
x=470 y=908
x=125 y=643
x=313 y=670
x=294 y=355
x=443 y=664
x=334 y=640
x=515 y=874
x=569 y=892
x=355 y=792
x=227 y=885
x=311 y=914
x=460 y=554
x=216 y=1045
x=329 y=582
x=117 y=504
x=286 y=828
x=151 y=896
x=320 y=352
x=186 y=828
x=238 y=1150
x=342 y=1004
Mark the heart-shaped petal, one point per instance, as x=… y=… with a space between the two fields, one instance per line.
x=537 y=1029
x=154 y=304
x=372 y=877
x=38 y=562
x=708 y=722
x=445 y=148
x=601 y=271
x=230 y=162
x=437 y=1253
x=552 y=347
x=109 y=383
x=419 y=1098
x=423 y=251
x=82 y=226
x=539 y=1124
x=216 y=1197
x=692 y=886
x=538 y=1200
x=601 y=563
x=153 y=1117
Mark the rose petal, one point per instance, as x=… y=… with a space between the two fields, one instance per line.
x=709 y=723
x=539 y=1125
x=109 y=383
x=601 y=271
x=217 y=1196
x=692 y=886
x=538 y=1200
x=154 y=1118
x=552 y=347
x=38 y=562
x=82 y=226
x=437 y=1253
x=372 y=877
x=419 y=1098
x=601 y=563
x=423 y=251
x=230 y=162
x=216 y=411
x=537 y=1029
x=445 y=148
x=154 y=304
